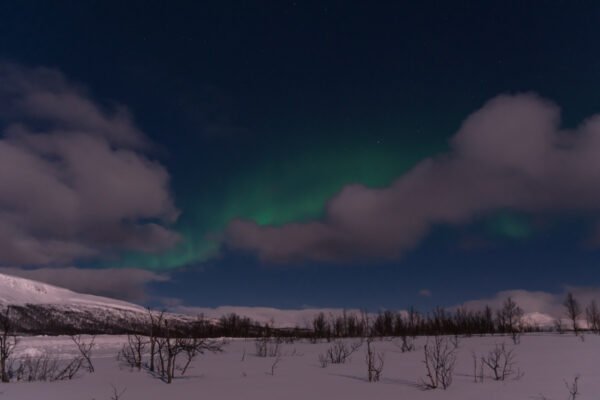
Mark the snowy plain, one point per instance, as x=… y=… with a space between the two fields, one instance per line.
x=546 y=360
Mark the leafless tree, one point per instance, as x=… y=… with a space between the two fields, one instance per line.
x=160 y=345
x=573 y=388
x=155 y=325
x=573 y=310
x=501 y=361
x=132 y=352
x=85 y=350
x=8 y=342
x=592 y=315
x=509 y=319
x=374 y=361
x=171 y=352
x=440 y=358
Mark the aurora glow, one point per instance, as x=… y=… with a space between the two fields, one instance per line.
x=295 y=188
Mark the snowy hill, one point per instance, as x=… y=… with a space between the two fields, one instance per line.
x=20 y=291
x=41 y=308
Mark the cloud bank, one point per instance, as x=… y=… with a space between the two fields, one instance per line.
x=510 y=154
x=75 y=180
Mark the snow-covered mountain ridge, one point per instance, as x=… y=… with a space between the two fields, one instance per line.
x=37 y=307
x=20 y=291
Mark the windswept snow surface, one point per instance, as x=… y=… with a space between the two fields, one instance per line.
x=546 y=360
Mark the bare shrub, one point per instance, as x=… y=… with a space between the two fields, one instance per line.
x=374 y=361
x=69 y=371
x=132 y=352
x=85 y=350
x=501 y=362
x=573 y=388
x=168 y=348
x=47 y=368
x=31 y=369
x=406 y=343
x=192 y=347
x=440 y=358
x=339 y=352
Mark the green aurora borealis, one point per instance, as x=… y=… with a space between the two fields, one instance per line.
x=281 y=189
x=296 y=187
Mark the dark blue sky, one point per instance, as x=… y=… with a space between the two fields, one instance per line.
x=265 y=110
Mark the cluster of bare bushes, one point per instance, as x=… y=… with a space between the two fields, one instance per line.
x=167 y=349
x=500 y=361
x=439 y=360
x=43 y=367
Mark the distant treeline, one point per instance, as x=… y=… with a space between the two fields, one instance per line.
x=508 y=319
x=461 y=321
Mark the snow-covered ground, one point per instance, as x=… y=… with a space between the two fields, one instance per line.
x=546 y=360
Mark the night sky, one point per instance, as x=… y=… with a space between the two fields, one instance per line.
x=303 y=154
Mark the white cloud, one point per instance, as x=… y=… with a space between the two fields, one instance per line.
x=510 y=154
x=75 y=179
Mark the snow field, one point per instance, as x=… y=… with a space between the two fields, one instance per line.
x=546 y=360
